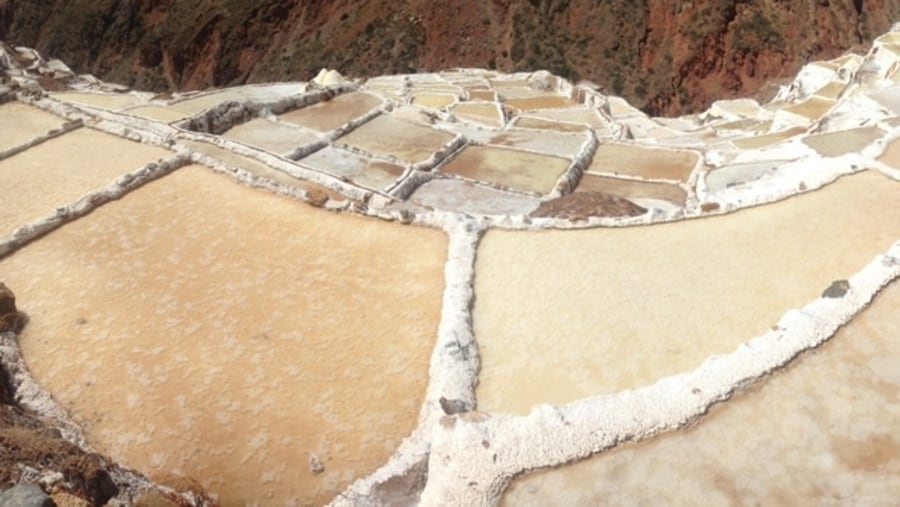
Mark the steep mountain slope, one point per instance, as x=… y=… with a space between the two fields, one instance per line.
x=666 y=56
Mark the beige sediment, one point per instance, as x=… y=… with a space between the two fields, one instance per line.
x=31 y=143
x=32 y=396
x=393 y=137
x=520 y=170
x=257 y=174
x=632 y=189
x=105 y=101
x=248 y=332
x=156 y=112
x=277 y=163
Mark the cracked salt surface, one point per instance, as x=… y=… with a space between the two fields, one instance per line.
x=278 y=353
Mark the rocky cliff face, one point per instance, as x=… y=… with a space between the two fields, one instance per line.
x=666 y=56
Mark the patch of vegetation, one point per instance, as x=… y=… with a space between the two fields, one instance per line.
x=538 y=45
x=757 y=32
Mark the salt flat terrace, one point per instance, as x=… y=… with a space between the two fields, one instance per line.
x=424 y=288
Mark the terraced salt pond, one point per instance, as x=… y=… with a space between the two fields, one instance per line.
x=764 y=140
x=389 y=136
x=650 y=163
x=835 y=144
x=22 y=123
x=216 y=305
x=271 y=92
x=597 y=311
x=331 y=114
x=820 y=432
x=371 y=174
x=488 y=114
x=529 y=172
x=62 y=170
x=415 y=289
x=271 y=136
x=527 y=103
x=158 y=113
x=632 y=189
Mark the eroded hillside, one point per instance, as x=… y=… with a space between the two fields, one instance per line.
x=665 y=56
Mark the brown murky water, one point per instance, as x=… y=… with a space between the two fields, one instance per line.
x=519 y=170
x=643 y=162
x=631 y=189
x=387 y=135
x=329 y=115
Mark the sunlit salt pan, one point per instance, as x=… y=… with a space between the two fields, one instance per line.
x=561 y=315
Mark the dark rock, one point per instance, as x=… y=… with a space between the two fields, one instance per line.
x=7 y=392
x=451 y=407
x=25 y=495
x=837 y=289
x=582 y=205
x=9 y=316
x=315 y=465
x=25 y=439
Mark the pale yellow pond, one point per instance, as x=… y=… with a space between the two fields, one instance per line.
x=20 y=123
x=561 y=315
x=64 y=169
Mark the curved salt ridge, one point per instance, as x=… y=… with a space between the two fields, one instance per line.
x=30 y=395
x=474 y=455
x=452 y=375
x=84 y=205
